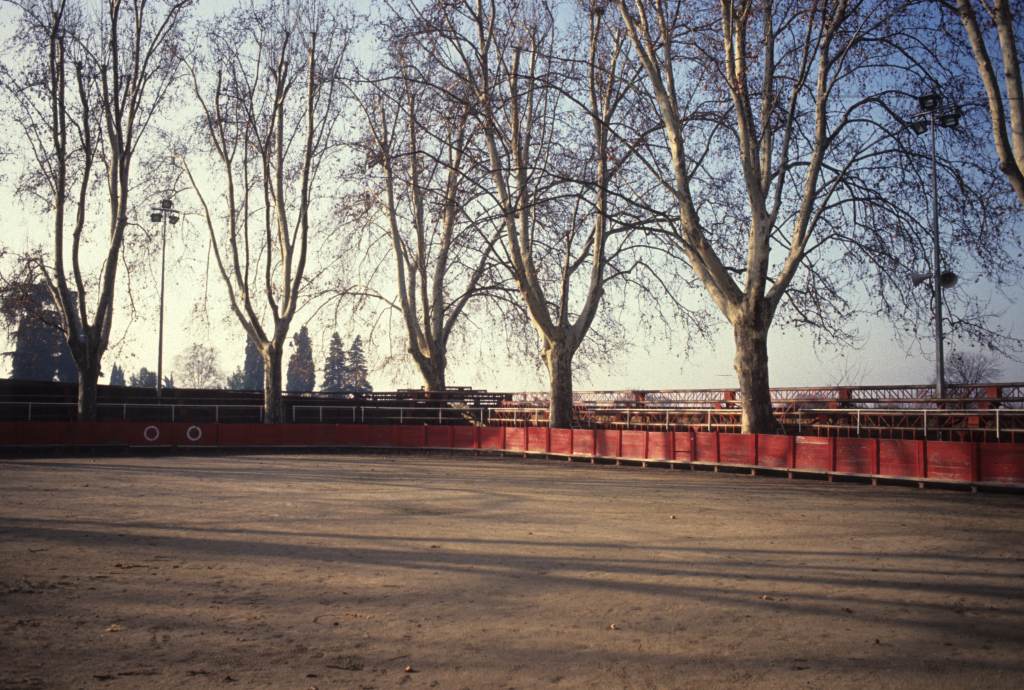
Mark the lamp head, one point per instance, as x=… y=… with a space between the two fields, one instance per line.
x=172 y=219
x=165 y=204
x=156 y=216
x=951 y=118
x=919 y=126
x=929 y=101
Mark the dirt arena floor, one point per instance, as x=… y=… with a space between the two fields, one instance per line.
x=363 y=571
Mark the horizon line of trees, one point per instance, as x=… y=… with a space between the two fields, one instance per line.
x=543 y=165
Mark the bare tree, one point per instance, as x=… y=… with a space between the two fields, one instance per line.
x=546 y=96
x=86 y=88
x=793 y=175
x=270 y=83
x=429 y=190
x=197 y=367
x=994 y=24
x=972 y=367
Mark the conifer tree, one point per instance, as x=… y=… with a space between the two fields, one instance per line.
x=253 y=369
x=301 y=372
x=356 y=380
x=117 y=375
x=335 y=369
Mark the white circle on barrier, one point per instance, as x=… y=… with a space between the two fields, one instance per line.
x=151 y=433
x=193 y=433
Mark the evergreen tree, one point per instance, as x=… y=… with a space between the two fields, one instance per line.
x=356 y=379
x=335 y=369
x=41 y=352
x=253 y=369
x=236 y=382
x=301 y=372
x=117 y=375
x=144 y=379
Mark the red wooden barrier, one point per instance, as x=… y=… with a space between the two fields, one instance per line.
x=515 y=438
x=402 y=436
x=682 y=446
x=436 y=437
x=1001 y=462
x=659 y=445
x=814 y=453
x=775 y=451
x=856 y=455
x=901 y=458
x=951 y=460
x=941 y=460
x=634 y=444
x=464 y=437
x=492 y=438
x=561 y=441
x=582 y=442
x=608 y=443
x=706 y=446
x=537 y=439
x=737 y=449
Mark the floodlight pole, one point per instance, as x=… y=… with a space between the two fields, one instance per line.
x=933 y=114
x=160 y=345
x=940 y=357
x=162 y=214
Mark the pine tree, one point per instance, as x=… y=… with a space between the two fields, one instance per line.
x=356 y=379
x=41 y=352
x=335 y=369
x=253 y=368
x=116 y=375
x=301 y=372
x=144 y=379
x=236 y=382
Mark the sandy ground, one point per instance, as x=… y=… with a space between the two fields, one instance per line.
x=355 y=571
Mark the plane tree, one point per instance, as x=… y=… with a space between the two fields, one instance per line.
x=83 y=89
x=269 y=81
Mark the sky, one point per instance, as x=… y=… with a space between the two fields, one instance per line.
x=196 y=311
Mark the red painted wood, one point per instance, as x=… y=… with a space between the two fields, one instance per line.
x=463 y=436
x=773 y=451
x=633 y=443
x=706 y=446
x=658 y=445
x=515 y=438
x=682 y=445
x=1001 y=462
x=492 y=438
x=950 y=460
x=537 y=439
x=899 y=458
x=561 y=442
x=582 y=442
x=813 y=453
x=738 y=449
x=438 y=436
x=608 y=442
x=856 y=455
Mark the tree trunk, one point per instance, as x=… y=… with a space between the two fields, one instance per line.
x=273 y=404
x=88 y=376
x=433 y=372
x=751 y=364
x=558 y=357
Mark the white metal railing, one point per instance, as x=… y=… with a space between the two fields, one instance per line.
x=995 y=420
x=401 y=415
x=173 y=408
x=349 y=413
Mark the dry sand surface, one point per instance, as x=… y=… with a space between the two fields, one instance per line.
x=362 y=571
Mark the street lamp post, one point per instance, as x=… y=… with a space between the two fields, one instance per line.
x=931 y=116
x=164 y=214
